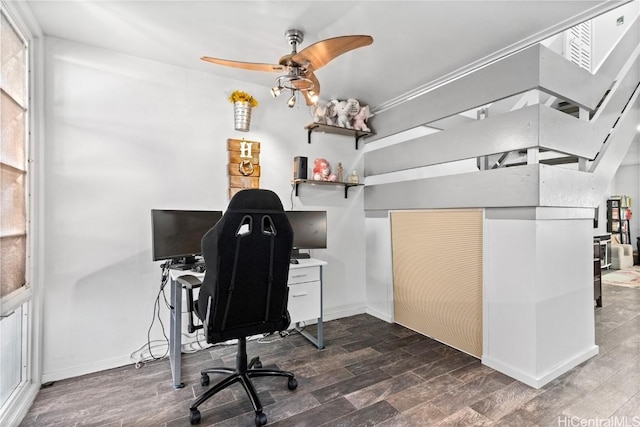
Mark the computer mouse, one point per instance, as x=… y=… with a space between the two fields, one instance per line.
x=294 y=261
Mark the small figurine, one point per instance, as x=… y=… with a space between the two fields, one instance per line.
x=339 y=172
x=353 y=178
x=345 y=110
x=360 y=119
x=322 y=170
x=323 y=113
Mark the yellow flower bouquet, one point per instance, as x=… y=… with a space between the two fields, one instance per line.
x=240 y=96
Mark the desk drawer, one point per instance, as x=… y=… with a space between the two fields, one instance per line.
x=304 y=301
x=304 y=274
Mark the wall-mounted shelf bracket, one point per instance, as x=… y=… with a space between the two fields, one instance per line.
x=347 y=185
x=337 y=130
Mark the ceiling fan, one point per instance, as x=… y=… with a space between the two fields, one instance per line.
x=300 y=66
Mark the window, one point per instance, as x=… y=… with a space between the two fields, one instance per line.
x=13 y=159
x=15 y=292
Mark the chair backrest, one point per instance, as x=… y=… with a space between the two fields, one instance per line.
x=247 y=254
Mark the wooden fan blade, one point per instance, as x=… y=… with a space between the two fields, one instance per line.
x=253 y=66
x=321 y=53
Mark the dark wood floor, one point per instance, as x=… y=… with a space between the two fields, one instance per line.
x=370 y=373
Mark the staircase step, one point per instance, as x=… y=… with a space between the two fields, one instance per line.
x=555 y=161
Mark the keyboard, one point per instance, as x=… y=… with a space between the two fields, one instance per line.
x=199 y=268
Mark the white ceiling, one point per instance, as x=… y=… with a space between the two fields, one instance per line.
x=415 y=42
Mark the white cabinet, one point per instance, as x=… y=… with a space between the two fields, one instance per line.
x=305 y=297
x=304 y=294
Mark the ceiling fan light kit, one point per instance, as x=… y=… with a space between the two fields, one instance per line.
x=292 y=101
x=300 y=66
x=276 y=91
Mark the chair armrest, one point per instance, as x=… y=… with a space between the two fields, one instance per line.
x=189 y=282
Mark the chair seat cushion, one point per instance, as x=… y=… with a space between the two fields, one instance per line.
x=215 y=336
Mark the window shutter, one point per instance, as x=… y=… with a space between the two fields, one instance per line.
x=578 y=45
x=13 y=159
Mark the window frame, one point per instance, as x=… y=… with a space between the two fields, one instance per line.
x=29 y=296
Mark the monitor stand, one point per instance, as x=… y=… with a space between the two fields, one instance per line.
x=184 y=263
x=296 y=254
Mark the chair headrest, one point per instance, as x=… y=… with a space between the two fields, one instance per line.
x=255 y=199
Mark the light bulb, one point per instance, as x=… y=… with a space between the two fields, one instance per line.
x=313 y=96
x=276 y=91
x=292 y=101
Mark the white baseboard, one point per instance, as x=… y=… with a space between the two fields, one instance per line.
x=18 y=405
x=380 y=315
x=541 y=380
x=87 y=368
x=342 y=311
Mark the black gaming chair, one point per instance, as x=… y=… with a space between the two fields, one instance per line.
x=244 y=291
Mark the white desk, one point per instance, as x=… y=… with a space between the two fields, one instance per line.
x=304 y=303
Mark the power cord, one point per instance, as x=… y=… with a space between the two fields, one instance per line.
x=292 y=198
x=302 y=327
x=145 y=353
x=197 y=345
x=278 y=337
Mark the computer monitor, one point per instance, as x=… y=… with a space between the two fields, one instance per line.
x=177 y=234
x=309 y=231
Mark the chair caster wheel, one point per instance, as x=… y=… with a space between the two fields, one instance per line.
x=292 y=384
x=204 y=380
x=261 y=419
x=255 y=363
x=194 y=417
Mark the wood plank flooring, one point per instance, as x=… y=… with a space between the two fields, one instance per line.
x=370 y=373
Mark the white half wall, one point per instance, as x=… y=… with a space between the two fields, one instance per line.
x=125 y=135
x=379 y=265
x=538 y=292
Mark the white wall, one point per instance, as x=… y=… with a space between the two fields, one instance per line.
x=602 y=213
x=606 y=31
x=627 y=182
x=125 y=135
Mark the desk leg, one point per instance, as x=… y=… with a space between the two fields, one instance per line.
x=320 y=334
x=175 y=334
x=317 y=341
